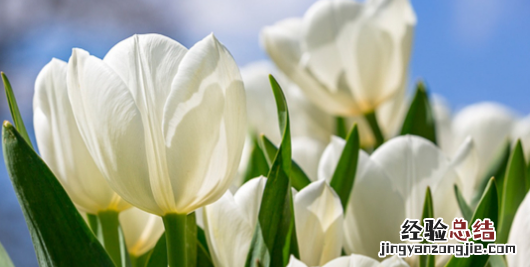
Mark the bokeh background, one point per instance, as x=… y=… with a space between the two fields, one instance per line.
x=467 y=51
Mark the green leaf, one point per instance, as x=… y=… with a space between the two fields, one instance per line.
x=467 y=212
x=497 y=169
x=344 y=175
x=59 y=233
x=5 y=261
x=15 y=112
x=514 y=192
x=158 y=256
x=203 y=253
x=487 y=208
x=299 y=179
x=271 y=244
x=340 y=125
x=428 y=212
x=257 y=164
x=420 y=117
x=528 y=177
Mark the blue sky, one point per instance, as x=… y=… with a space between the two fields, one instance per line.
x=467 y=50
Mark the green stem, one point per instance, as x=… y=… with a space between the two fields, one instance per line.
x=93 y=223
x=340 y=127
x=175 y=225
x=372 y=121
x=109 y=227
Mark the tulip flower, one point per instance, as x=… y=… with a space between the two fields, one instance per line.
x=390 y=186
x=141 y=230
x=62 y=148
x=355 y=261
x=347 y=57
x=519 y=233
x=306 y=152
x=521 y=131
x=165 y=125
x=229 y=223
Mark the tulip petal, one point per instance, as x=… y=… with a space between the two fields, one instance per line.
x=141 y=230
x=318 y=218
x=230 y=221
x=109 y=123
x=294 y=262
x=330 y=158
x=522 y=131
x=306 y=152
x=61 y=146
x=519 y=235
x=465 y=163
x=394 y=261
x=322 y=24
x=204 y=125
x=353 y=260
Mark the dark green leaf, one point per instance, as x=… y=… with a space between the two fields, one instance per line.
x=420 y=117
x=299 y=179
x=15 y=112
x=5 y=261
x=487 y=208
x=257 y=164
x=344 y=175
x=497 y=169
x=158 y=256
x=340 y=125
x=428 y=212
x=514 y=192
x=467 y=212
x=271 y=244
x=59 y=233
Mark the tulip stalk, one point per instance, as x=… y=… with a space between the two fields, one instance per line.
x=340 y=127
x=109 y=234
x=371 y=118
x=175 y=225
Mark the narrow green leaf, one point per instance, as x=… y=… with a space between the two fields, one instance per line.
x=93 y=223
x=371 y=118
x=497 y=169
x=271 y=244
x=257 y=164
x=340 y=126
x=158 y=257
x=59 y=233
x=15 y=112
x=299 y=179
x=467 y=212
x=514 y=191
x=5 y=261
x=420 y=117
x=343 y=178
x=428 y=212
x=487 y=208
x=528 y=177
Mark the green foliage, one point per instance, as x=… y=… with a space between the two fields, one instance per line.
x=257 y=163
x=466 y=210
x=13 y=108
x=5 y=261
x=428 y=212
x=420 y=117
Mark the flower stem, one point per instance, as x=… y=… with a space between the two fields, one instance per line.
x=372 y=121
x=340 y=127
x=175 y=225
x=109 y=228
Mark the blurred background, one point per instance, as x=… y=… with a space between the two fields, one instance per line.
x=467 y=51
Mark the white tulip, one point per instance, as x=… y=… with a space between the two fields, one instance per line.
x=141 y=230
x=306 y=152
x=165 y=125
x=229 y=223
x=348 y=57
x=355 y=261
x=519 y=233
x=522 y=130
x=390 y=186
x=61 y=146
x=318 y=218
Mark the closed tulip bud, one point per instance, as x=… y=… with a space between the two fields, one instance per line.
x=348 y=57
x=165 y=125
x=61 y=145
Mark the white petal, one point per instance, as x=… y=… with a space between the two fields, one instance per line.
x=281 y=41
x=294 y=262
x=323 y=22
x=393 y=261
x=318 y=218
x=489 y=125
x=306 y=153
x=353 y=260
x=229 y=224
x=141 y=230
x=442 y=117
x=522 y=131
x=465 y=163
x=111 y=127
x=330 y=158
x=375 y=210
x=61 y=146
x=519 y=235
x=204 y=125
